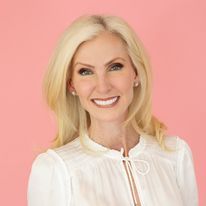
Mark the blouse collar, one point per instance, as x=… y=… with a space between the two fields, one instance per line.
x=113 y=153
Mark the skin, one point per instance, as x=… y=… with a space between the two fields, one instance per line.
x=98 y=80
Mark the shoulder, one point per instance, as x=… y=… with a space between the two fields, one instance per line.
x=48 y=164
x=174 y=142
x=49 y=182
x=181 y=162
x=74 y=155
x=178 y=145
x=44 y=161
x=70 y=151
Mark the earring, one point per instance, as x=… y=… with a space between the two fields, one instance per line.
x=136 y=84
x=73 y=93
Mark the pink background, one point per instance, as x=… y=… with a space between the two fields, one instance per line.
x=173 y=32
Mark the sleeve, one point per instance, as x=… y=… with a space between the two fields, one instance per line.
x=47 y=185
x=186 y=175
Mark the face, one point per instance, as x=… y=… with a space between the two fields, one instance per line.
x=103 y=78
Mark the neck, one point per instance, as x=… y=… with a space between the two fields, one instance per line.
x=113 y=135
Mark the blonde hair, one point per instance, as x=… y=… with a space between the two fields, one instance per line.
x=72 y=119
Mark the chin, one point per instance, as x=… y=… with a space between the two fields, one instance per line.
x=109 y=118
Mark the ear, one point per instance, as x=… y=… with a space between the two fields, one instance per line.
x=70 y=86
x=136 y=77
x=136 y=80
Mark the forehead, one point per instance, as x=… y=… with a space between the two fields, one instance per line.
x=103 y=47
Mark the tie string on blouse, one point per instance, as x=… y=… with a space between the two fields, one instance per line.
x=132 y=160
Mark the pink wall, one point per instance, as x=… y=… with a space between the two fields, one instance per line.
x=174 y=34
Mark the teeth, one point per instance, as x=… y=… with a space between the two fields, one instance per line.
x=107 y=102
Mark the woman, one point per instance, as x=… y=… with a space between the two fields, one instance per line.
x=109 y=148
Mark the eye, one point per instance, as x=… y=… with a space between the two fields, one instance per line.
x=116 y=66
x=84 y=72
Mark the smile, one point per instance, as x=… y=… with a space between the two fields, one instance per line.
x=106 y=103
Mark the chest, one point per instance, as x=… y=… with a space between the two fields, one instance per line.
x=117 y=183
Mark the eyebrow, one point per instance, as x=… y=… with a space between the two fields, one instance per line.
x=106 y=64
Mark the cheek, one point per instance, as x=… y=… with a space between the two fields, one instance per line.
x=83 y=87
x=124 y=83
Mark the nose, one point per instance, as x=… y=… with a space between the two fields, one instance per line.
x=103 y=84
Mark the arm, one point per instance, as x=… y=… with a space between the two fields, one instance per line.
x=48 y=181
x=186 y=175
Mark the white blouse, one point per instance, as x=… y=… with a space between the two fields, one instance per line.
x=74 y=174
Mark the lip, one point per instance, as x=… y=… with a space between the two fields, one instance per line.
x=106 y=106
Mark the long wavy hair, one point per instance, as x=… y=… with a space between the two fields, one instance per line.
x=72 y=119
